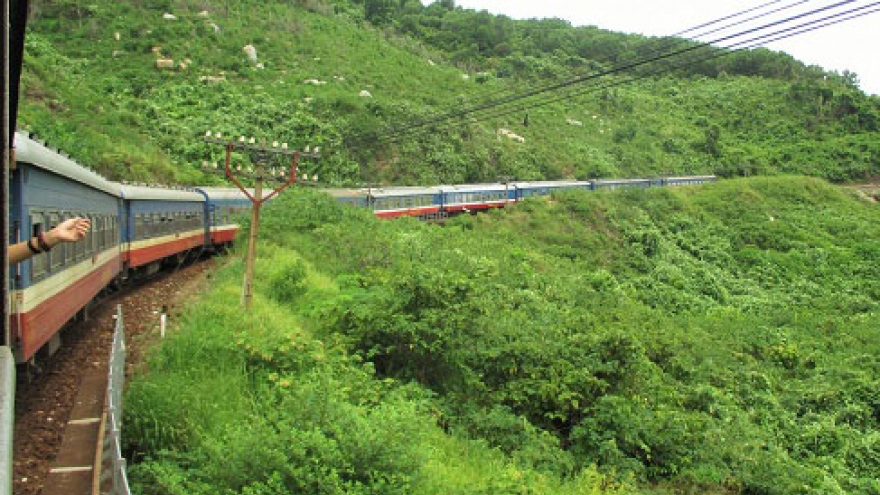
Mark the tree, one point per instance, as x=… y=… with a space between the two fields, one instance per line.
x=378 y=11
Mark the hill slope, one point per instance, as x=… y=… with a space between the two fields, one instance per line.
x=92 y=87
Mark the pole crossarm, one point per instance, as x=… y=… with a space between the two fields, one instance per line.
x=261 y=155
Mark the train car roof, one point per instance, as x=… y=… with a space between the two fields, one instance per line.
x=402 y=191
x=345 y=193
x=39 y=155
x=214 y=193
x=160 y=193
x=691 y=177
x=474 y=187
x=619 y=181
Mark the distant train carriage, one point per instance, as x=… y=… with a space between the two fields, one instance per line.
x=51 y=288
x=545 y=188
x=681 y=181
x=473 y=197
x=223 y=205
x=617 y=183
x=351 y=197
x=161 y=223
x=404 y=201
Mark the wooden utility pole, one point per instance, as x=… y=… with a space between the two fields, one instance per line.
x=260 y=155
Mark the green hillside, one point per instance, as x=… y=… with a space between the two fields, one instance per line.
x=719 y=339
x=92 y=87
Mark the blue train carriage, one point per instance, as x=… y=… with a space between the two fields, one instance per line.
x=397 y=202
x=474 y=197
x=49 y=289
x=522 y=190
x=618 y=183
x=688 y=180
x=223 y=207
x=351 y=197
x=161 y=225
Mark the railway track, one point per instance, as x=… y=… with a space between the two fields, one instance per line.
x=45 y=400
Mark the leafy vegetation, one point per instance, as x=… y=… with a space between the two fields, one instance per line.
x=270 y=408
x=718 y=339
x=92 y=87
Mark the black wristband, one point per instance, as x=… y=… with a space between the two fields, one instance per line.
x=41 y=241
x=30 y=244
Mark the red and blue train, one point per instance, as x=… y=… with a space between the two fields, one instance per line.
x=439 y=201
x=135 y=231
x=138 y=229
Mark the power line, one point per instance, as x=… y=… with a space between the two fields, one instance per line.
x=669 y=42
x=658 y=55
x=717 y=54
x=742 y=45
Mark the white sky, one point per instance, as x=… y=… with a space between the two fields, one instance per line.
x=844 y=46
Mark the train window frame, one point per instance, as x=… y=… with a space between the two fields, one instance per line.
x=139 y=226
x=39 y=262
x=56 y=257
x=98 y=236
x=108 y=232
x=114 y=232
x=80 y=247
x=88 y=238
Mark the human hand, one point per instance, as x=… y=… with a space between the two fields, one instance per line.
x=70 y=230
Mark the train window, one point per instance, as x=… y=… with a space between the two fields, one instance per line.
x=40 y=262
x=93 y=235
x=97 y=233
x=113 y=232
x=80 y=247
x=70 y=249
x=108 y=233
x=56 y=257
x=139 y=227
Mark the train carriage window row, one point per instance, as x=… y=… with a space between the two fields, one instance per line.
x=402 y=202
x=225 y=214
x=103 y=235
x=149 y=225
x=476 y=197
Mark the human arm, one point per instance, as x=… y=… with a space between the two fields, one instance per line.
x=70 y=230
